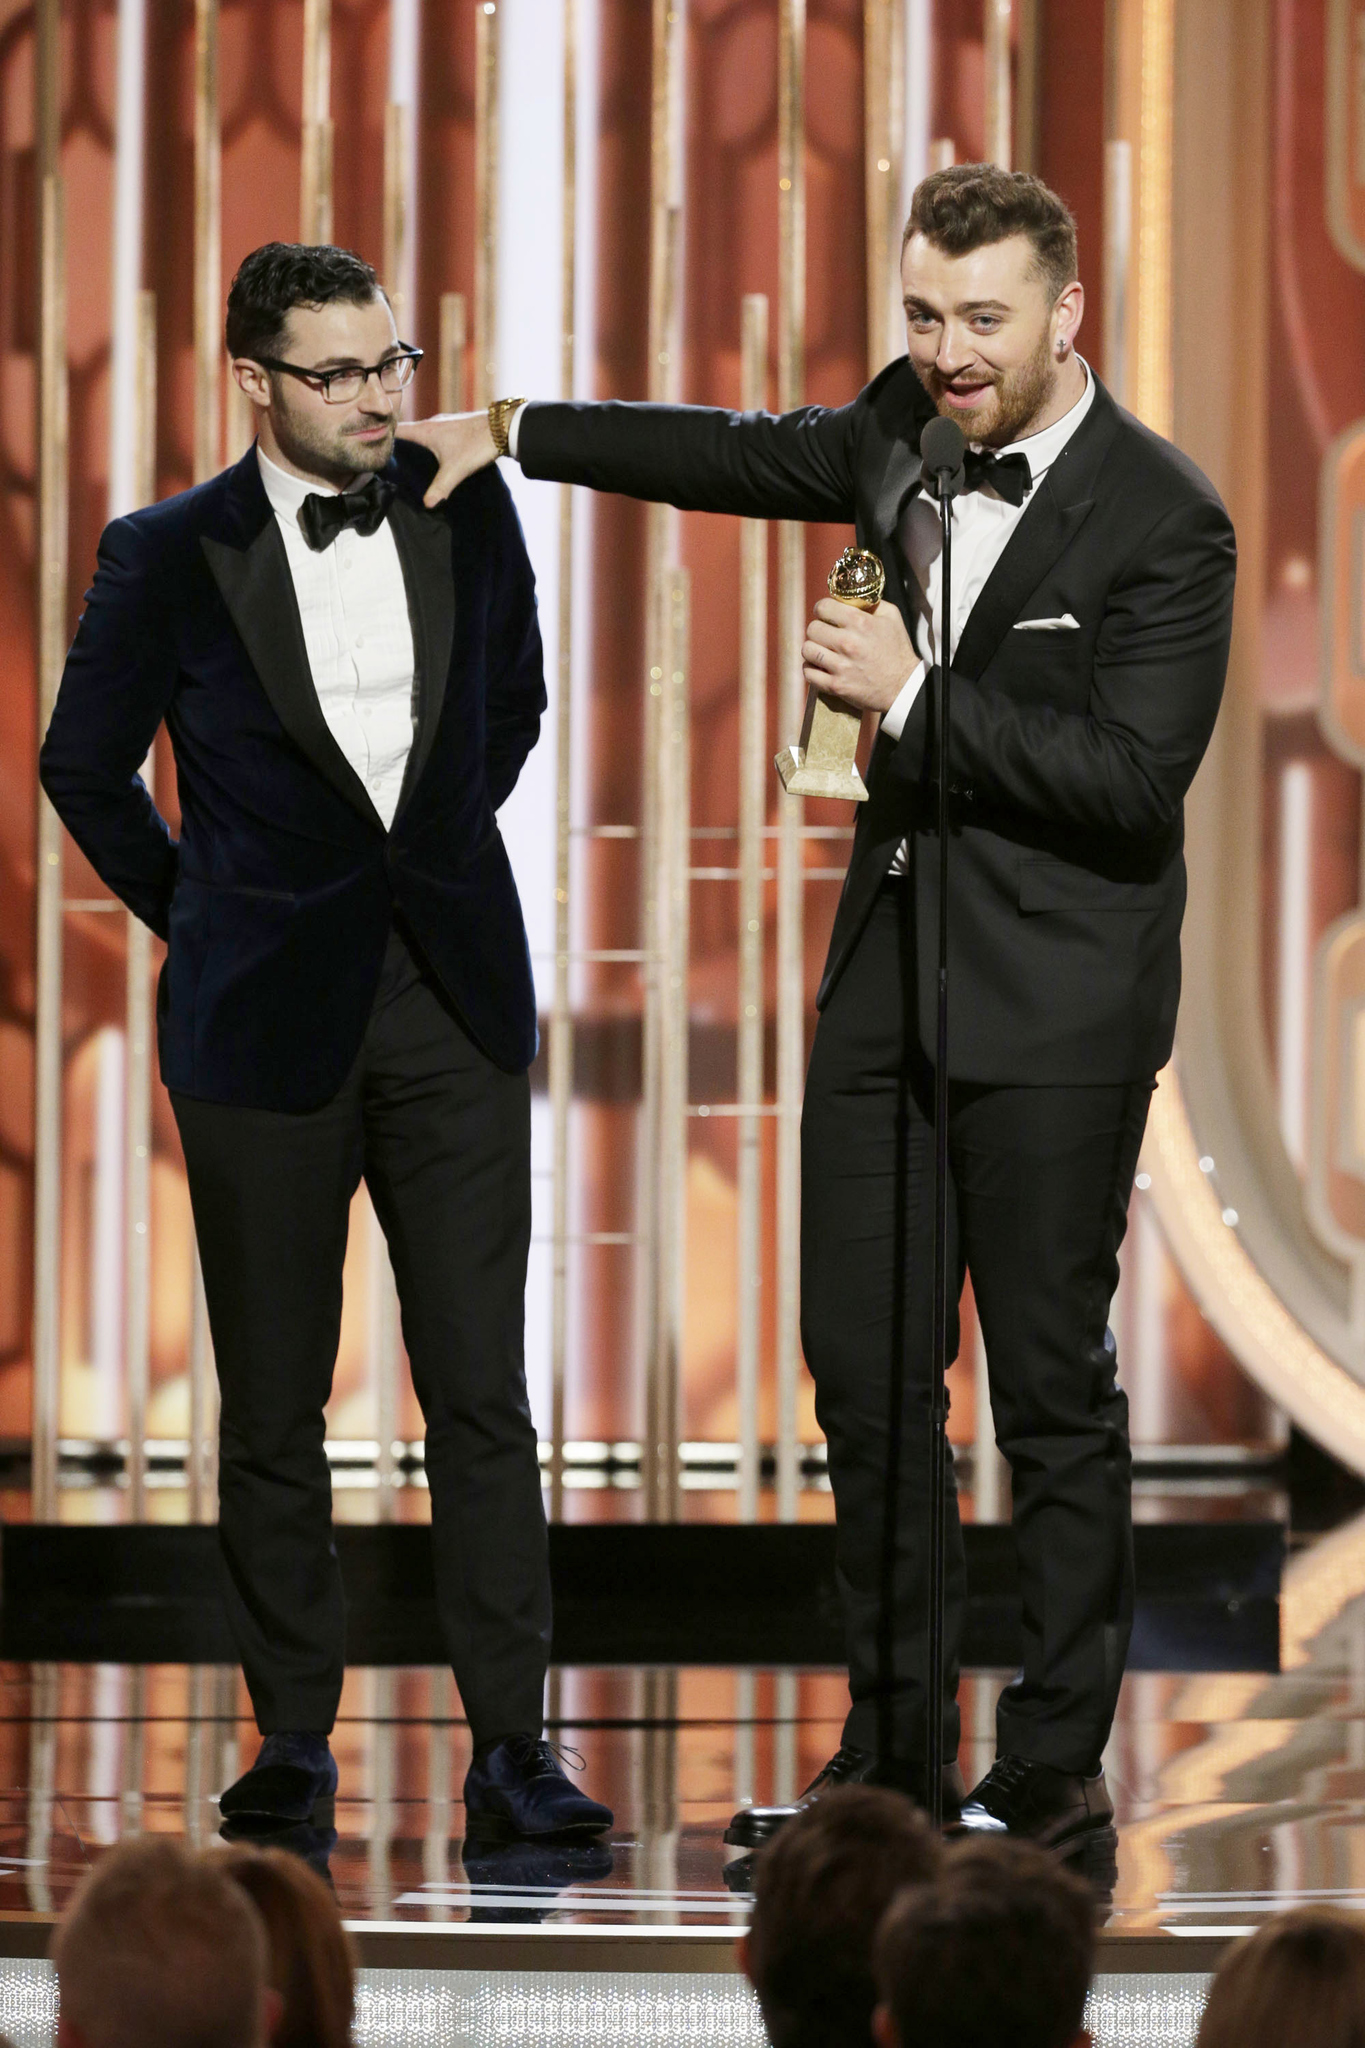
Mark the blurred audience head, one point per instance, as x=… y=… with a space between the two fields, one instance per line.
x=309 y=1960
x=159 y=1945
x=820 y=1889
x=998 y=1949
x=1298 y=1982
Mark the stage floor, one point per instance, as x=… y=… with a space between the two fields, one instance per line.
x=1238 y=1794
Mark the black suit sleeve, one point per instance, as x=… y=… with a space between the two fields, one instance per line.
x=118 y=681
x=516 y=662
x=1124 y=764
x=796 y=465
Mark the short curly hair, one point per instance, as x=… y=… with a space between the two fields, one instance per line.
x=1000 y=1948
x=820 y=1888
x=278 y=276
x=967 y=206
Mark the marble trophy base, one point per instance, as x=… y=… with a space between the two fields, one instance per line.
x=822 y=763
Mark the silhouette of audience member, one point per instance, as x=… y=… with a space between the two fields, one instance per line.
x=1298 y=1982
x=820 y=1888
x=999 y=1948
x=159 y=1945
x=310 y=1963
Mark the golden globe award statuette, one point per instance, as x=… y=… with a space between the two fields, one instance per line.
x=823 y=762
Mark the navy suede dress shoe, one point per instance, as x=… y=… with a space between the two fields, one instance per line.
x=293 y=1777
x=518 y=1788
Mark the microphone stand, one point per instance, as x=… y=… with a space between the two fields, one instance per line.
x=949 y=485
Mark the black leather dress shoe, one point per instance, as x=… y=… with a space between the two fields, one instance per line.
x=294 y=1779
x=754 y=1825
x=518 y=1788
x=1052 y=1807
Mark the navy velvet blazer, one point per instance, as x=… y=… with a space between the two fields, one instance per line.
x=278 y=898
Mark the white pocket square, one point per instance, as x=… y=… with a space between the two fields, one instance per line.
x=1066 y=624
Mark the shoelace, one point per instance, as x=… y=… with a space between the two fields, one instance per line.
x=1009 y=1773
x=547 y=1753
x=843 y=1764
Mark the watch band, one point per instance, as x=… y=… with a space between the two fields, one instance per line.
x=500 y=419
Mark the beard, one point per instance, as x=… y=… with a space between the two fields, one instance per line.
x=1008 y=408
x=333 y=453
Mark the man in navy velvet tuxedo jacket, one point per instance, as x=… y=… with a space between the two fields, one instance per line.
x=351 y=683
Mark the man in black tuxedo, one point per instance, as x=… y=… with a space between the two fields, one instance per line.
x=1093 y=581
x=351 y=683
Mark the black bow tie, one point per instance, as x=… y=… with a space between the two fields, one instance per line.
x=1008 y=476
x=322 y=519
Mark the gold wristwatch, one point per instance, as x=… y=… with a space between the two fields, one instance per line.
x=500 y=419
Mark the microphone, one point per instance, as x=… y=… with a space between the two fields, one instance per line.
x=942 y=450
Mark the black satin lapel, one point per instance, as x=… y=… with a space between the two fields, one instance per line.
x=423 y=540
x=258 y=591
x=897 y=486
x=1045 y=530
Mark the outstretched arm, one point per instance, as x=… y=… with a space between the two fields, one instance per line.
x=117 y=683
x=796 y=465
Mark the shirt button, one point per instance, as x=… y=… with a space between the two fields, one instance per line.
x=360 y=639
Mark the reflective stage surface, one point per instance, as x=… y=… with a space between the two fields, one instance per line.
x=1238 y=1794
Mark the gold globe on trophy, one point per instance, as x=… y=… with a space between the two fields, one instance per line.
x=823 y=762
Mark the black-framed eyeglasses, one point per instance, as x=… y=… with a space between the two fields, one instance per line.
x=342 y=387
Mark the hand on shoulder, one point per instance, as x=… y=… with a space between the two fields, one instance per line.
x=462 y=442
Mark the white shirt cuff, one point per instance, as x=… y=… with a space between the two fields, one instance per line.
x=514 y=427
x=894 y=717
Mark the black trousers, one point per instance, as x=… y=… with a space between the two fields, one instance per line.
x=442 y=1139
x=1038 y=1205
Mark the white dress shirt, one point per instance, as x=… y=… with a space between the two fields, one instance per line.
x=354 y=606
x=982 y=525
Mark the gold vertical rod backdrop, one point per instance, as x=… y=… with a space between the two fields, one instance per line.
x=1152 y=383
x=51 y=637
x=208 y=265
x=792 y=614
x=1118 y=246
x=453 y=341
x=384 y=1348
x=998 y=22
x=1027 y=83
x=485 y=202
x=883 y=131
x=656 y=1199
x=397 y=205
x=383 y=1364
x=754 y=768
x=208 y=244
x=203 y=1404
x=561 y=1015
x=315 y=168
x=137 y=1070
x=673 y=928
